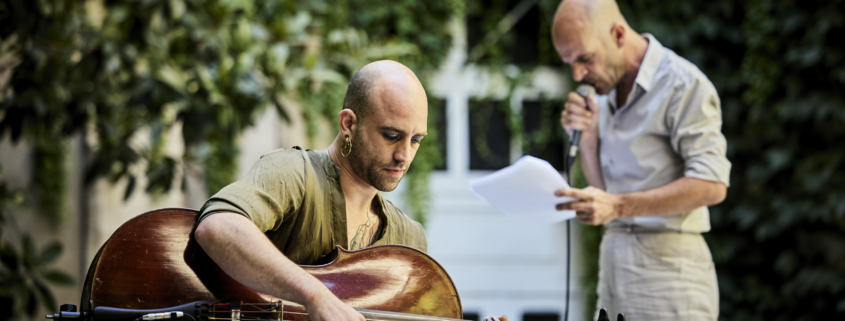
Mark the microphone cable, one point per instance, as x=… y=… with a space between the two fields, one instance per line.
x=584 y=90
x=567 y=166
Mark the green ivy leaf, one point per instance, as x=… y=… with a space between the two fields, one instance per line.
x=50 y=253
x=9 y=257
x=45 y=296
x=28 y=252
x=130 y=187
x=10 y=285
x=8 y=292
x=31 y=302
x=59 y=278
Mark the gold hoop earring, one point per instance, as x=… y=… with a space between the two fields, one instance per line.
x=346 y=145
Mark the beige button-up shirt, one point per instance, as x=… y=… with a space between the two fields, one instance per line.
x=669 y=127
x=295 y=198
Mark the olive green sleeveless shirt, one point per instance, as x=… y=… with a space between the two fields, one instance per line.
x=295 y=198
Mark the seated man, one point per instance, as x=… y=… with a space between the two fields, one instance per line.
x=304 y=202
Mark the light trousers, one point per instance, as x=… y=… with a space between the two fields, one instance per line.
x=657 y=276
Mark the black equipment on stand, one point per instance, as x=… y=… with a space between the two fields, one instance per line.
x=68 y=312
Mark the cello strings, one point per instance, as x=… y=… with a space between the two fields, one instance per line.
x=369 y=314
x=235 y=319
x=241 y=318
x=247 y=312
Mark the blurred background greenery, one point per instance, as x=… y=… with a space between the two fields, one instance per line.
x=108 y=69
x=778 y=240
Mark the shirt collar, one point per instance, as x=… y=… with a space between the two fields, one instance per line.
x=645 y=74
x=651 y=61
x=332 y=170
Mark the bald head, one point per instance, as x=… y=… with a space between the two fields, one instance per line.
x=583 y=16
x=384 y=119
x=593 y=37
x=381 y=80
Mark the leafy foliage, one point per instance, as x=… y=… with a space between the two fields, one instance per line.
x=25 y=271
x=779 y=238
x=209 y=65
x=25 y=275
x=122 y=73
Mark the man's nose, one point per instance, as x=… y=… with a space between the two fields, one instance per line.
x=402 y=154
x=578 y=72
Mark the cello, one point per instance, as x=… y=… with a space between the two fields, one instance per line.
x=152 y=268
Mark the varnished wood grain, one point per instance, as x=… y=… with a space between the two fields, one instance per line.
x=152 y=261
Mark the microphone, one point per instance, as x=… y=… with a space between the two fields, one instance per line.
x=584 y=90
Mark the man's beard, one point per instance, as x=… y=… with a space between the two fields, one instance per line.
x=369 y=170
x=604 y=86
x=615 y=72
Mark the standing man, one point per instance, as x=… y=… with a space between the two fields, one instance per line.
x=654 y=155
x=295 y=205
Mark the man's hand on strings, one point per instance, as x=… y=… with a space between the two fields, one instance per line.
x=327 y=307
x=593 y=206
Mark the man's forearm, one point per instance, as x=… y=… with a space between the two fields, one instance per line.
x=591 y=165
x=244 y=253
x=679 y=196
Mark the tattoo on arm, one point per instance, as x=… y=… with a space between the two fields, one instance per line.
x=365 y=233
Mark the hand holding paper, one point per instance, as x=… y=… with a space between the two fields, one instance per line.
x=525 y=190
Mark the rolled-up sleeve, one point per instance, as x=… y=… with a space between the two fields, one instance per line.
x=696 y=133
x=272 y=188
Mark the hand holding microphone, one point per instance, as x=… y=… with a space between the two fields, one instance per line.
x=580 y=118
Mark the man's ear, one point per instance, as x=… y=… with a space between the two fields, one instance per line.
x=617 y=34
x=347 y=121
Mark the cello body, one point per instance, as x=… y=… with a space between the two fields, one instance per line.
x=152 y=261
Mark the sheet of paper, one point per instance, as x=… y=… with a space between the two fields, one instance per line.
x=525 y=190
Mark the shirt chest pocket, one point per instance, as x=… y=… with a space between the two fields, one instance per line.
x=637 y=154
